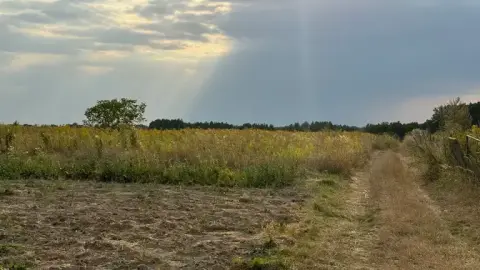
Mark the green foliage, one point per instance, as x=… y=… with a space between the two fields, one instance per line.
x=14 y=266
x=167 y=124
x=247 y=158
x=461 y=116
x=128 y=167
x=263 y=257
x=7 y=140
x=259 y=263
x=272 y=174
x=12 y=250
x=115 y=113
x=393 y=129
x=433 y=150
x=453 y=116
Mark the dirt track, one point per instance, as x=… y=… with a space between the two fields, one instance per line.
x=402 y=228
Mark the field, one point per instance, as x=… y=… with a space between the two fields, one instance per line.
x=69 y=225
x=187 y=199
x=80 y=198
x=247 y=158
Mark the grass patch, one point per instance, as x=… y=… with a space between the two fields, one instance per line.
x=309 y=243
x=263 y=257
x=8 y=251
x=259 y=263
x=457 y=193
x=13 y=266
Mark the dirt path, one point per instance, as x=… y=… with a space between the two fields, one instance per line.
x=358 y=201
x=402 y=228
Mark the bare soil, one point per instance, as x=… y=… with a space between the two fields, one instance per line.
x=383 y=218
x=87 y=225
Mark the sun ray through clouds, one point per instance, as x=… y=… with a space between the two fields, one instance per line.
x=99 y=39
x=306 y=91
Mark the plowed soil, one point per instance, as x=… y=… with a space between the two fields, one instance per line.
x=87 y=225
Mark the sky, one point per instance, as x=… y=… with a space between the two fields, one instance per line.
x=266 y=61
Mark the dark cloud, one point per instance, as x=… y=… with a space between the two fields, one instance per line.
x=305 y=61
x=31 y=17
x=61 y=10
x=192 y=28
x=122 y=36
x=12 y=41
x=341 y=60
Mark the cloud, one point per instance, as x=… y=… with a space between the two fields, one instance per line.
x=63 y=55
x=95 y=70
x=341 y=60
x=47 y=12
x=346 y=61
x=190 y=71
x=19 y=62
x=67 y=27
x=157 y=9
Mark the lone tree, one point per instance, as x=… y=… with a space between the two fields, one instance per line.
x=115 y=113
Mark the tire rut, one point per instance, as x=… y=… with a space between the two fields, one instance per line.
x=411 y=233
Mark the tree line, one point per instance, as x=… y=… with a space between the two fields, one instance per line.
x=166 y=124
x=127 y=112
x=464 y=116
x=397 y=128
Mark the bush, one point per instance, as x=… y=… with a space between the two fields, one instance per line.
x=384 y=142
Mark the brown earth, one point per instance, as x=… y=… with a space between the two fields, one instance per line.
x=86 y=225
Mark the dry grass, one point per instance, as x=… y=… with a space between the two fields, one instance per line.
x=252 y=158
x=70 y=225
x=458 y=195
x=455 y=190
x=332 y=232
x=412 y=233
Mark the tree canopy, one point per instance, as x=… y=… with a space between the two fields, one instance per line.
x=114 y=113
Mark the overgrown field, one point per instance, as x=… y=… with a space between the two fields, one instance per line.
x=246 y=158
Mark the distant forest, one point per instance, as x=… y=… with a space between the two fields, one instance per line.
x=397 y=129
x=393 y=128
